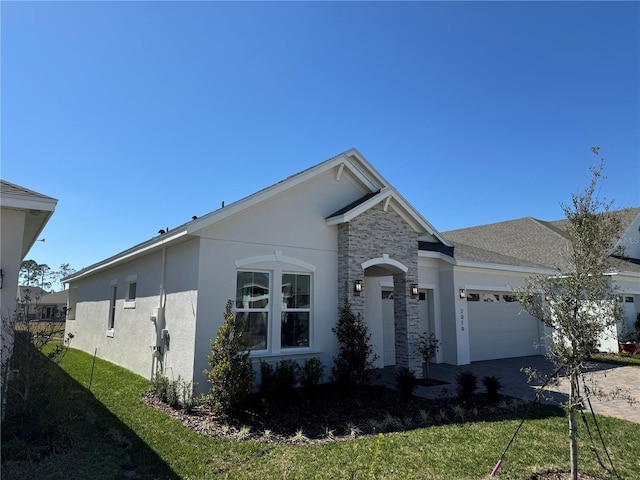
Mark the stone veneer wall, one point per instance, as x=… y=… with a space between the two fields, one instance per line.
x=372 y=235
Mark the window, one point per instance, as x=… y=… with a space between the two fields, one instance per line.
x=510 y=298
x=112 y=306
x=490 y=297
x=131 y=291
x=252 y=305
x=296 y=310
x=473 y=297
x=261 y=296
x=628 y=299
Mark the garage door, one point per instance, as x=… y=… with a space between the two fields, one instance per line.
x=499 y=328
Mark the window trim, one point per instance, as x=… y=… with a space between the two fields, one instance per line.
x=275 y=308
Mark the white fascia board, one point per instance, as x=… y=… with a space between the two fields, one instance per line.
x=24 y=202
x=423 y=222
x=624 y=273
x=142 y=249
x=359 y=209
x=438 y=256
x=400 y=205
x=364 y=171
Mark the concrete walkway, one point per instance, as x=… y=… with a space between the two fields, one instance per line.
x=515 y=382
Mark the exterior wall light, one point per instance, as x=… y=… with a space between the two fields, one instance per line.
x=462 y=293
x=357 y=287
x=414 y=289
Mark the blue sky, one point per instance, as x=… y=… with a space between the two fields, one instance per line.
x=136 y=116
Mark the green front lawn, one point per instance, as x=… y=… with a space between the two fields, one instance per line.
x=120 y=437
x=618 y=358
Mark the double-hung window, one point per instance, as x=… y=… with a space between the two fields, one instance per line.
x=296 y=309
x=252 y=305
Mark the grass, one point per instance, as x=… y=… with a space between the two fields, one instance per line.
x=625 y=359
x=120 y=437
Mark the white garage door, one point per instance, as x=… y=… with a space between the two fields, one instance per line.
x=499 y=328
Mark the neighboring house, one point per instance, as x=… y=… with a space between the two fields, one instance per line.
x=52 y=306
x=524 y=246
x=287 y=256
x=23 y=215
x=29 y=301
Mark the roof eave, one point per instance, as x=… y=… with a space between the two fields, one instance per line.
x=396 y=201
x=137 y=251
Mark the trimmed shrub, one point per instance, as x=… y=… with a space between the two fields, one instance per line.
x=406 y=381
x=311 y=373
x=230 y=373
x=354 y=360
x=467 y=384
x=267 y=378
x=286 y=376
x=493 y=386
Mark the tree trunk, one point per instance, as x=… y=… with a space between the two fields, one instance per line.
x=573 y=432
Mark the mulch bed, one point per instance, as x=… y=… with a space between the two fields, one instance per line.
x=327 y=413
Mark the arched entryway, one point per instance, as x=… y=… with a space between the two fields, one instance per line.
x=391 y=311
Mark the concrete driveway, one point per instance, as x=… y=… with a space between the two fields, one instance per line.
x=515 y=382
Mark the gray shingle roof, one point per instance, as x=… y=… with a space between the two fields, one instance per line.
x=526 y=242
x=8 y=188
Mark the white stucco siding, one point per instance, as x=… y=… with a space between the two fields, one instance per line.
x=217 y=280
x=429 y=282
x=181 y=280
x=287 y=233
x=628 y=290
x=12 y=224
x=293 y=218
x=130 y=343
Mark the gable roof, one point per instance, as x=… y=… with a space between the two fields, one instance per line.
x=525 y=242
x=374 y=186
x=31 y=293
x=55 y=298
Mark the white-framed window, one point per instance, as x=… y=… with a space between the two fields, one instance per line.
x=252 y=303
x=296 y=310
x=131 y=291
x=491 y=297
x=112 y=307
x=265 y=295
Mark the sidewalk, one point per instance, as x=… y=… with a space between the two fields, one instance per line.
x=515 y=382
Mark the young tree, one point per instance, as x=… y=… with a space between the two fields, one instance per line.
x=579 y=303
x=230 y=373
x=355 y=355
